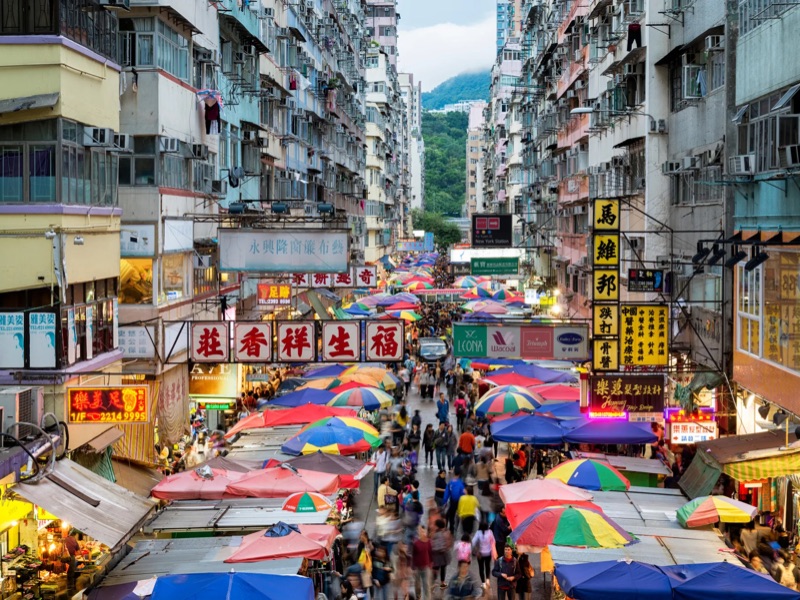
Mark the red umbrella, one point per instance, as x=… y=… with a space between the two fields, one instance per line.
x=286 y=541
x=556 y=391
x=512 y=379
x=299 y=415
x=198 y=484
x=281 y=482
x=402 y=305
x=350 y=385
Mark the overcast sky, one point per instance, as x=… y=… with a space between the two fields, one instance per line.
x=442 y=38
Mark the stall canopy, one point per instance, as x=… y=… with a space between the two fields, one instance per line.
x=724 y=581
x=618 y=579
x=533 y=429
x=286 y=541
x=611 y=431
x=100 y=509
x=233 y=586
x=749 y=457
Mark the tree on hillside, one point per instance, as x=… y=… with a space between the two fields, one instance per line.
x=445 y=138
x=466 y=86
x=445 y=233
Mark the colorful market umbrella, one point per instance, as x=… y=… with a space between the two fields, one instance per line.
x=280 y=482
x=534 y=429
x=570 y=526
x=541 y=489
x=541 y=373
x=504 y=403
x=402 y=305
x=322 y=383
x=707 y=510
x=370 y=398
x=336 y=435
x=203 y=483
x=511 y=379
x=419 y=285
x=301 y=397
x=406 y=315
x=285 y=541
x=404 y=297
x=517 y=512
x=514 y=389
x=505 y=295
x=299 y=415
x=590 y=475
x=611 y=431
x=328 y=371
x=465 y=281
x=307 y=502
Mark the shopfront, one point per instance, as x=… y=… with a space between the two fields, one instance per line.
x=60 y=533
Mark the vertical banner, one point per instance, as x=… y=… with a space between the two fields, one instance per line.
x=12 y=340
x=115 y=325
x=89 y=332
x=72 y=336
x=605 y=284
x=210 y=342
x=341 y=341
x=42 y=340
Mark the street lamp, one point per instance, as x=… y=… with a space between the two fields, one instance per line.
x=587 y=110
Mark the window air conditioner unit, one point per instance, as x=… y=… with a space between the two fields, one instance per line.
x=570 y=94
x=578 y=56
x=219 y=187
x=123 y=142
x=283 y=32
x=98 y=136
x=689 y=162
x=207 y=56
x=250 y=136
x=619 y=80
x=199 y=152
x=170 y=145
x=269 y=13
x=790 y=156
x=743 y=164
x=632 y=69
x=572 y=187
x=715 y=43
x=670 y=167
x=21 y=405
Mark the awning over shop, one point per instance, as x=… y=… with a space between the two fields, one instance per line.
x=318 y=306
x=136 y=478
x=97 y=437
x=100 y=509
x=28 y=103
x=750 y=457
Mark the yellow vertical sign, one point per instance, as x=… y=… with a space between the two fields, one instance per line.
x=605 y=284
x=606 y=214
x=645 y=335
x=606 y=250
x=605 y=355
x=605 y=319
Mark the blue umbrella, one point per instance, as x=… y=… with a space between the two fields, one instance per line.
x=620 y=580
x=233 y=586
x=329 y=371
x=528 y=429
x=540 y=373
x=300 y=398
x=723 y=581
x=570 y=408
x=611 y=431
x=357 y=311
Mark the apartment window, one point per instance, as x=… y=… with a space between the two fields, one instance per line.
x=386 y=30
x=373 y=62
x=202 y=175
x=676 y=86
x=772 y=124
x=173 y=172
x=172 y=52
x=716 y=64
x=139 y=169
x=137 y=47
x=173 y=276
x=204 y=74
x=753 y=13
x=136 y=281
x=749 y=311
x=204 y=280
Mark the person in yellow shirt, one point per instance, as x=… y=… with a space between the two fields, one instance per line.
x=468 y=507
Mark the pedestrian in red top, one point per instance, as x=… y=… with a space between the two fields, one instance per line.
x=421 y=562
x=466 y=442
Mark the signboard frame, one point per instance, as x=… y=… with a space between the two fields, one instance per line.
x=492 y=230
x=108 y=396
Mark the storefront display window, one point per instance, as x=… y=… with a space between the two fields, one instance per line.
x=173 y=271
x=136 y=281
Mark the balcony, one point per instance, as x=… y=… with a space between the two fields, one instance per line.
x=82 y=21
x=244 y=20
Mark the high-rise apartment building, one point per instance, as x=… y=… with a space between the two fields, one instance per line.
x=475 y=134
x=382 y=18
x=411 y=93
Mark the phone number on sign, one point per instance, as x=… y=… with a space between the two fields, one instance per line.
x=108 y=417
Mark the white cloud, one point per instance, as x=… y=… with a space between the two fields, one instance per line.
x=438 y=52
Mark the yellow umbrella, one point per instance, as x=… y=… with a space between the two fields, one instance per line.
x=320 y=384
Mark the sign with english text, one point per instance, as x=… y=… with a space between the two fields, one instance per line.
x=12 y=340
x=492 y=231
x=284 y=250
x=617 y=393
x=274 y=294
x=341 y=341
x=529 y=342
x=119 y=404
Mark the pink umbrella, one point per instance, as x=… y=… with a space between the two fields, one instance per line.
x=490 y=307
x=286 y=541
x=281 y=482
x=204 y=483
x=555 y=391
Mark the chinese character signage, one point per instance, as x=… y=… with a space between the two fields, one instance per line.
x=645 y=335
x=410 y=246
x=605 y=284
x=274 y=293
x=645 y=280
x=384 y=341
x=427 y=241
x=606 y=250
x=284 y=250
x=137 y=342
x=296 y=341
x=491 y=231
x=42 y=340
x=124 y=404
x=366 y=276
x=301 y=280
x=606 y=215
x=360 y=277
x=343 y=280
x=12 y=340
x=693 y=432
x=529 y=342
x=210 y=342
x=605 y=355
x=494 y=266
x=252 y=342
x=626 y=393
x=321 y=280
x=605 y=319
x=341 y=341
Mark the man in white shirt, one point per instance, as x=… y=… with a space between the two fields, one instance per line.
x=381 y=459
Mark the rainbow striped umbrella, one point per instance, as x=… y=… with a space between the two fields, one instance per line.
x=419 y=285
x=336 y=435
x=590 y=475
x=370 y=398
x=706 y=510
x=306 y=502
x=514 y=389
x=570 y=526
x=405 y=315
x=465 y=281
x=503 y=403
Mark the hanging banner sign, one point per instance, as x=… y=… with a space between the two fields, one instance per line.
x=626 y=393
x=341 y=341
x=384 y=341
x=645 y=280
x=210 y=342
x=645 y=335
x=363 y=276
x=252 y=342
x=529 y=342
x=283 y=250
x=296 y=341
x=274 y=293
x=117 y=404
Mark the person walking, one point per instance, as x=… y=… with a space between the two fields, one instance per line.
x=526 y=573
x=381 y=460
x=483 y=545
x=468 y=509
x=506 y=570
x=440 y=487
x=440 y=443
x=381 y=574
x=501 y=529
x=452 y=446
x=452 y=495
x=460 y=405
x=466 y=442
x=443 y=409
x=441 y=543
x=421 y=562
x=462 y=586
x=427 y=444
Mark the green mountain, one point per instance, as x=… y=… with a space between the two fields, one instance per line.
x=445 y=136
x=466 y=86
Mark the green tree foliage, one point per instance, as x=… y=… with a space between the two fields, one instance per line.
x=445 y=136
x=466 y=86
x=445 y=233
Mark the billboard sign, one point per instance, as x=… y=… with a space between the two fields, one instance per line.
x=529 y=342
x=491 y=231
x=623 y=393
x=284 y=250
x=116 y=404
